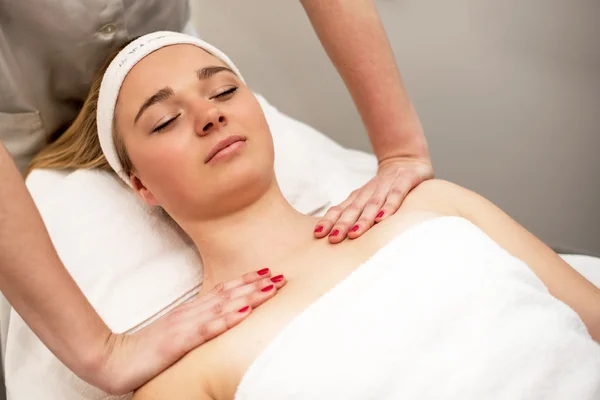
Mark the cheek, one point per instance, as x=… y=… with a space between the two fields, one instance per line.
x=263 y=154
x=160 y=164
x=254 y=120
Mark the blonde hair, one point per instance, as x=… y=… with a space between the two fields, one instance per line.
x=79 y=147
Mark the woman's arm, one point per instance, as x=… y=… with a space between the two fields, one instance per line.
x=170 y=390
x=353 y=36
x=36 y=284
x=560 y=278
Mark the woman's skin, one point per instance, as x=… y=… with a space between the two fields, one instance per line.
x=358 y=47
x=232 y=209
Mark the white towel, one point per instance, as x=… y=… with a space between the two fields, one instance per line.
x=441 y=312
x=128 y=261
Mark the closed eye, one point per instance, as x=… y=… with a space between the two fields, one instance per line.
x=165 y=124
x=227 y=93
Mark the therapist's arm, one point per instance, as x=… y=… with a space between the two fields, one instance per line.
x=354 y=38
x=39 y=288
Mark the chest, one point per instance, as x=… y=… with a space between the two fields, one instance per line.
x=309 y=278
x=219 y=365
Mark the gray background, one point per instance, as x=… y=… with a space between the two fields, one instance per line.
x=508 y=92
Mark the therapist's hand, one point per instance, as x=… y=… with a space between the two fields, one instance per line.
x=375 y=201
x=132 y=360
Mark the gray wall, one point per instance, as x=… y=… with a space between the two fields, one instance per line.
x=508 y=92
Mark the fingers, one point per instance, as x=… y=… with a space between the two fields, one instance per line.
x=199 y=321
x=239 y=300
x=382 y=204
x=370 y=215
x=332 y=215
x=377 y=200
x=222 y=288
x=394 y=199
x=253 y=293
x=349 y=216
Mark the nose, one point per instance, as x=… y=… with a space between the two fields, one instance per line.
x=212 y=119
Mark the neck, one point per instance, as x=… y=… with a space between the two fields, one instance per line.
x=257 y=236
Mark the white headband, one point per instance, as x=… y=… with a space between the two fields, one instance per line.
x=118 y=70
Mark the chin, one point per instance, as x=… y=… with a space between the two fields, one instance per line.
x=244 y=181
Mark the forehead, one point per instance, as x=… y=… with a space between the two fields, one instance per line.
x=166 y=67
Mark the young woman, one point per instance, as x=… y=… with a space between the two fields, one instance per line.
x=178 y=124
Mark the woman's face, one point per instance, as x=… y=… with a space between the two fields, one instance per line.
x=196 y=135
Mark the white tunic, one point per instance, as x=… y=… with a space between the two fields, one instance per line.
x=49 y=52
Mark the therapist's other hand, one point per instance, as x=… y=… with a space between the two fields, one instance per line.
x=132 y=360
x=377 y=200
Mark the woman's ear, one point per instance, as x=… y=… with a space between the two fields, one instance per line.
x=142 y=191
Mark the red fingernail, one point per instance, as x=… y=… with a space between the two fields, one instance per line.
x=267 y=288
x=319 y=229
x=335 y=233
x=244 y=309
x=380 y=214
x=263 y=271
x=355 y=228
x=277 y=278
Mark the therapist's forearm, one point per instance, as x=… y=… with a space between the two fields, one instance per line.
x=354 y=38
x=37 y=285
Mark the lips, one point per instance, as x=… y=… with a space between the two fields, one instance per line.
x=223 y=144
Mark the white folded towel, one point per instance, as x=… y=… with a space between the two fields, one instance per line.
x=441 y=312
x=129 y=263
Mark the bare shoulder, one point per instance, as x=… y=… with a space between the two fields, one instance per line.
x=437 y=187
x=169 y=392
x=185 y=379
x=430 y=199
x=436 y=195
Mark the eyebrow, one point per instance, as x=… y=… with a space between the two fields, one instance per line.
x=166 y=92
x=162 y=95
x=207 y=72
